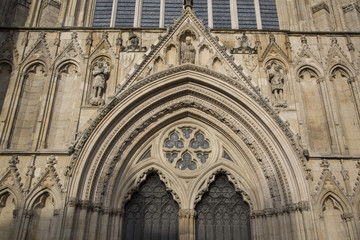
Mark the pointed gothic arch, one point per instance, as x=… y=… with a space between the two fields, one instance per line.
x=189 y=96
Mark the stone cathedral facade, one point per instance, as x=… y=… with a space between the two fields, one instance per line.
x=167 y=119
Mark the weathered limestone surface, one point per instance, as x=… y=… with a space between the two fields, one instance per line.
x=88 y=113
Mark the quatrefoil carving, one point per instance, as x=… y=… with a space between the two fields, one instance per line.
x=186 y=148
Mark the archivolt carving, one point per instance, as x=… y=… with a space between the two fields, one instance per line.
x=136 y=129
x=215 y=112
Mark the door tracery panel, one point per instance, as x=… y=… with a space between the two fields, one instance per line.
x=151 y=213
x=222 y=213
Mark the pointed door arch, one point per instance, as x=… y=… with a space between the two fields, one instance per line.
x=222 y=213
x=151 y=213
x=128 y=139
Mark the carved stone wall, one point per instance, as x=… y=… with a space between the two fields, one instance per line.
x=274 y=114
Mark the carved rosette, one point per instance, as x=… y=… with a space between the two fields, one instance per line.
x=186 y=147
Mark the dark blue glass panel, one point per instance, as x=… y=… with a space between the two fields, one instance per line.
x=200 y=7
x=102 y=13
x=269 y=16
x=221 y=13
x=246 y=14
x=150 y=13
x=173 y=10
x=125 y=13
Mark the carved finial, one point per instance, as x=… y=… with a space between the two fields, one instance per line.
x=351 y=47
x=303 y=39
x=306 y=154
x=42 y=35
x=188 y=4
x=324 y=163
x=272 y=38
x=334 y=41
x=73 y=35
x=51 y=161
x=89 y=39
x=105 y=35
x=13 y=161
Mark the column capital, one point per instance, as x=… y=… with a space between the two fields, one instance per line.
x=187 y=213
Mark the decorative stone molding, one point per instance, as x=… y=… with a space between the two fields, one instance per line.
x=28 y=213
x=245 y=46
x=187 y=213
x=288 y=208
x=348 y=8
x=40 y=50
x=52 y=3
x=73 y=202
x=321 y=6
x=11 y=177
x=347 y=216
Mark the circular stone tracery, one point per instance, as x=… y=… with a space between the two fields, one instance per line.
x=186 y=148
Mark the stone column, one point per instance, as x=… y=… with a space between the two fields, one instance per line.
x=104 y=223
x=335 y=141
x=116 y=224
x=82 y=219
x=25 y=226
x=187 y=224
x=347 y=217
x=93 y=226
x=69 y=217
x=354 y=88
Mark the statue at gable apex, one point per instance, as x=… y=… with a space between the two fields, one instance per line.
x=188 y=4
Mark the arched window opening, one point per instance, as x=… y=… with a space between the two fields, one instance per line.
x=125 y=13
x=29 y=108
x=7 y=207
x=221 y=14
x=222 y=213
x=62 y=123
x=150 y=13
x=151 y=213
x=318 y=130
x=347 y=110
x=334 y=225
x=5 y=74
x=269 y=18
x=42 y=221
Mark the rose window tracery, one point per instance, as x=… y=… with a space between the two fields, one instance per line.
x=187 y=148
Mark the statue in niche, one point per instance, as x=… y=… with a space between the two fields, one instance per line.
x=101 y=74
x=276 y=79
x=187 y=51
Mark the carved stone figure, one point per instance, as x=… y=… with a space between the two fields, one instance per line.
x=100 y=74
x=187 y=51
x=244 y=42
x=276 y=79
